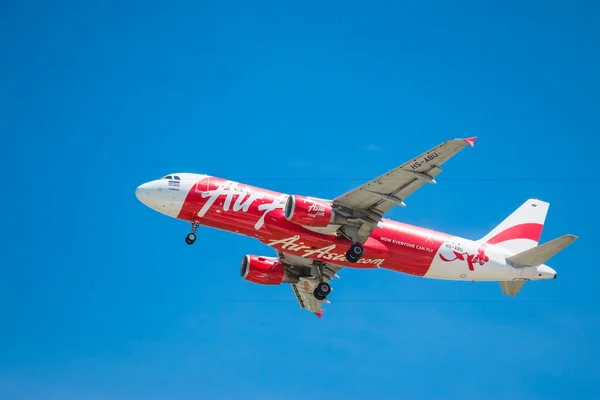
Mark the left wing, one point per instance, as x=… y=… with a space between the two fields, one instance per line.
x=308 y=272
x=304 y=294
x=367 y=204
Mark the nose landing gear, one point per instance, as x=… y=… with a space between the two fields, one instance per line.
x=322 y=289
x=191 y=237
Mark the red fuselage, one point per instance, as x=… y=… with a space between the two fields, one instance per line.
x=258 y=213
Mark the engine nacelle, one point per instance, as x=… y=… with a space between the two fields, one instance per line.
x=262 y=270
x=308 y=211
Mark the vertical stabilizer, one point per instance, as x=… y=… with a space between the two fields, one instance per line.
x=522 y=229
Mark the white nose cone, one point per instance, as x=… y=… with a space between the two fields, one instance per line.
x=163 y=197
x=142 y=193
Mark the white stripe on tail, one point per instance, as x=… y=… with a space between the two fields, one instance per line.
x=522 y=229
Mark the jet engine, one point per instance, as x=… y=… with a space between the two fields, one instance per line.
x=262 y=270
x=308 y=211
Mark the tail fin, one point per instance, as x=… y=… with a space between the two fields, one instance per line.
x=540 y=254
x=522 y=229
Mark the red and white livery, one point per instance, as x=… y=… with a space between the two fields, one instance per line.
x=315 y=238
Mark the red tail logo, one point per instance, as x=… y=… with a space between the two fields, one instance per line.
x=472 y=259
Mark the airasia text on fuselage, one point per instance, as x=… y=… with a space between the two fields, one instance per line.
x=229 y=189
x=294 y=245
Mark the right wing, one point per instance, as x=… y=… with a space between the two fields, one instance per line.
x=367 y=203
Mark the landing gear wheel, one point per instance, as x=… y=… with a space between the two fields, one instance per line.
x=355 y=252
x=324 y=288
x=190 y=238
x=318 y=296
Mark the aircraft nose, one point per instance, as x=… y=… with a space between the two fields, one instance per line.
x=142 y=192
x=163 y=196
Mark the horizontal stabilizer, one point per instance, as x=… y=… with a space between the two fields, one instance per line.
x=540 y=254
x=511 y=288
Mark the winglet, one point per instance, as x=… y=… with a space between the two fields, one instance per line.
x=320 y=313
x=471 y=140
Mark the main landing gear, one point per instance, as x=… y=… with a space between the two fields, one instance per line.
x=322 y=289
x=355 y=252
x=191 y=237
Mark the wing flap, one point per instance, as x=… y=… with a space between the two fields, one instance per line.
x=304 y=289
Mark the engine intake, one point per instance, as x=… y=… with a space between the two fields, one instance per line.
x=308 y=211
x=262 y=270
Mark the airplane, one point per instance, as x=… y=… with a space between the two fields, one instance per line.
x=315 y=238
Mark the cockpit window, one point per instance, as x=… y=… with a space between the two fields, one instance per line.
x=168 y=177
x=177 y=178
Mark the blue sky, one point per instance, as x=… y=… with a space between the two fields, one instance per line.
x=100 y=298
